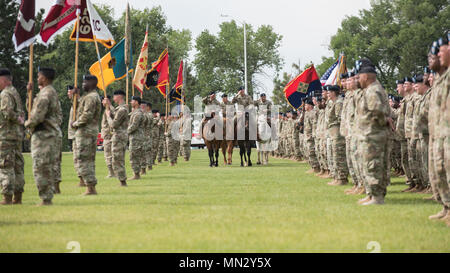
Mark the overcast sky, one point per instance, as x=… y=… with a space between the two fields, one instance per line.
x=306 y=25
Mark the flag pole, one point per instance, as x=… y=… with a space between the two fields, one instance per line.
x=77 y=47
x=167 y=90
x=30 y=79
x=127 y=47
x=100 y=64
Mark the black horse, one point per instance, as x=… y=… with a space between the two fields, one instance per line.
x=245 y=145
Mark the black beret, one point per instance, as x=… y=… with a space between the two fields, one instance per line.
x=241 y=88
x=280 y=113
x=212 y=93
x=325 y=88
x=418 y=79
x=310 y=102
x=155 y=111
x=408 y=79
x=136 y=98
x=262 y=95
x=149 y=104
x=366 y=66
x=119 y=92
x=49 y=73
x=90 y=78
x=351 y=74
x=443 y=41
x=102 y=98
x=334 y=88
x=224 y=96
x=163 y=115
x=434 y=50
x=143 y=102
x=344 y=76
x=399 y=82
x=5 y=72
x=294 y=113
x=427 y=70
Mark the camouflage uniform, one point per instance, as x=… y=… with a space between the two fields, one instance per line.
x=162 y=150
x=135 y=134
x=71 y=136
x=329 y=150
x=148 y=138
x=373 y=111
x=88 y=118
x=310 y=144
x=347 y=121
x=412 y=139
x=420 y=130
x=155 y=139
x=439 y=146
x=107 y=142
x=58 y=150
x=396 y=154
x=43 y=123
x=400 y=130
x=186 y=134
x=11 y=136
x=172 y=152
x=337 y=141
x=118 y=121
x=320 y=136
x=355 y=143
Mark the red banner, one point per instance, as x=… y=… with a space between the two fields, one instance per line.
x=61 y=14
x=24 y=31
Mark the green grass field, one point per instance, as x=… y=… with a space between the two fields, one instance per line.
x=195 y=208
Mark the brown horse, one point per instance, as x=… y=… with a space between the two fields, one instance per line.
x=212 y=143
x=228 y=145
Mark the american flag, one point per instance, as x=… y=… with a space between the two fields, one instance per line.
x=327 y=74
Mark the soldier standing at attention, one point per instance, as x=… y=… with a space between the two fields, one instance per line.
x=337 y=140
x=186 y=134
x=310 y=144
x=11 y=135
x=43 y=125
x=135 y=135
x=86 y=126
x=107 y=140
x=155 y=136
x=171 y=145
x=162 y=148
x=146 y=123
x=71 y=137
x=149 y=136
x=118 y=121
x=373 y=124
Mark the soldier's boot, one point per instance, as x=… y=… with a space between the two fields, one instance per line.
x=186 y=159
x=350 y=191
x=165 y=159
x=316 y=170
x=17 y=199
x=90 y=191
x=7 y=199
x=310 y=171
x=159 y=161
x=376 y=200
x=45 y=203
x=357 y=191
x=150 y=167
x=136 y=176
x=320 y=173
x=144 y=171
x=57 y=188
x=411 y=186
x=81 y=184
x=416 y=189
x=440 y=214
x=333 y=183
x=123 y=183
x=111 y=173
x=364 y=200
x=361 y=190
x=433 y=197
x=172 y=164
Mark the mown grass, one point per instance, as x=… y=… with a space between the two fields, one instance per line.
x=195 y=208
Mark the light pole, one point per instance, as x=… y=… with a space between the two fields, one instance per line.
x=245 y=50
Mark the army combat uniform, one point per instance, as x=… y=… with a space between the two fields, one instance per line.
x=11 y=135
x=43 y=124
x=107 y=143
x=135 y=134
x=86 y=124
x=118 y=121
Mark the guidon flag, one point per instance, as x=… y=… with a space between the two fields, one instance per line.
x=301 y=86
x=158 y=75
x=24 y=31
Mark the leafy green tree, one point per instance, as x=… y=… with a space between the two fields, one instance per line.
x=219 y=61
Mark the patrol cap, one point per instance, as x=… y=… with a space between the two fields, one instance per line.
x=418 y=79
x=119 y=92
x=49 y=73
x=408 y=79
x=5 y=72
x=136 y=98
x=366 y=66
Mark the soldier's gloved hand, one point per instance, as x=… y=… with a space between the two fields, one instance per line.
x=30 y=86
x=73 y=124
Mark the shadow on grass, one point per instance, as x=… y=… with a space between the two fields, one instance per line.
x=21 y=223
x=409 y=201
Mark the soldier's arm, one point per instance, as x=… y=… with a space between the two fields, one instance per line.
x=338 y=111
x=134 y=124
x=38 y=113
x=119 y=117
x=7 y=108
x=87 y=113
